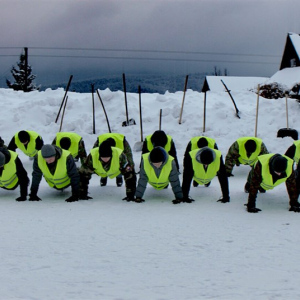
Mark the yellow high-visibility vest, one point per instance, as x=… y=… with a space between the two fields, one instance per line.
x=114 y=169
x=75 y=139
x=267 y=180
x=200 y=175
x=244 y=159
x=150 y=146
x=163 y=180
x=60 y=178
x=30 y=149
x=211 y=142
x=9 y=178
x=118 y=138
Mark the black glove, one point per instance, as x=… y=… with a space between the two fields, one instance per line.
x=34 y=198
x=84 y=197
x=224 y=200
x=294 y=208
x=72 y=199
x=22 y=198
x=229 y=175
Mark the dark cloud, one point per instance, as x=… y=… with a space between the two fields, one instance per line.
x=232 y=28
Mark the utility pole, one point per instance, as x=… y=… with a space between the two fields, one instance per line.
x=26 y=68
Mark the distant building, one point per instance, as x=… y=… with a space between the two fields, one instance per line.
x=291 y=53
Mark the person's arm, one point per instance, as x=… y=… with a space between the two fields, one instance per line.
x=39 y=143
x=173 y=153
x=73 y=175
x=23 y=178
x=82 y=152
x=188 y=173
x=231 y=158
x=255 y=181
x=142 y=182
x=290 y=152
x=263 y=150
x=128 y=152
x=292 y=190
x=85 y=172
x=12 y=145
x=175 y=182
x=36 y=178
x=223 y=180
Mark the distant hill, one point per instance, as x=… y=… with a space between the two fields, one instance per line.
x=152 y=83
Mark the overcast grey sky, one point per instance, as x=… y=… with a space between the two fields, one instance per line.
x=246 y=37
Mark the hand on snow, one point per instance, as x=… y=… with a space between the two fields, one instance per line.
x=22 y=198
x=139 y=200
x=229 y=175
x=34 y=198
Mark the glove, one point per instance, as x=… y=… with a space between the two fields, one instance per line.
x=34 y=198
x=224 y=200
x=294 y=209
x=72 y=199
x=229 y=175
x=84 y=197
x=22 y=198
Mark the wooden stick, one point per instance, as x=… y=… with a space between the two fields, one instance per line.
x=93 y=103
x=287 y=112
x=204 y=112
x=125 y=96
x=63 y=100
x=140 y=106
x=160 y=114
x=104 y=111
x=184 y=90
x=256 y=118
x=63 y=113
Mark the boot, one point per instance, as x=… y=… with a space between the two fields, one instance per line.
x=195 y=183
x=103 y=181
x=207 y=184
x=119 y=180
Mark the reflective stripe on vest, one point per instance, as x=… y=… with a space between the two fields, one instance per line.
x=244 y=159
x=114 y=169
x=163 y=180
x=200 y=175
x=9 y=178
x=30 y=149
x=75 y=139
x=60 y=178
x=211 y=142
x=267 y=180
x=118 y=138
x=297 y=152
x=167 y=147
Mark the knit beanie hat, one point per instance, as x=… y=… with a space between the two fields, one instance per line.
x=2 y=159
x=105 y=149
x=159 y=138
x=48 y=151
x=110 y=141
x=157 y=155
x=202 y=142
x=23 y=136
x=279 y=164
x=207 y=156
x=65 y=143
x=250 y=146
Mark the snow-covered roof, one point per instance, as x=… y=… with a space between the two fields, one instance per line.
x=295 y=39
x=288 y=77
x=233 y=83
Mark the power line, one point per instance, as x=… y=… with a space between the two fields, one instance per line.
x=147 y=51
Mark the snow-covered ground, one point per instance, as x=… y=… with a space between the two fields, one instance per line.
x=106 y=248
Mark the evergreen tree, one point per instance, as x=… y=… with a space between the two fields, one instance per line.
x=23 y=77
